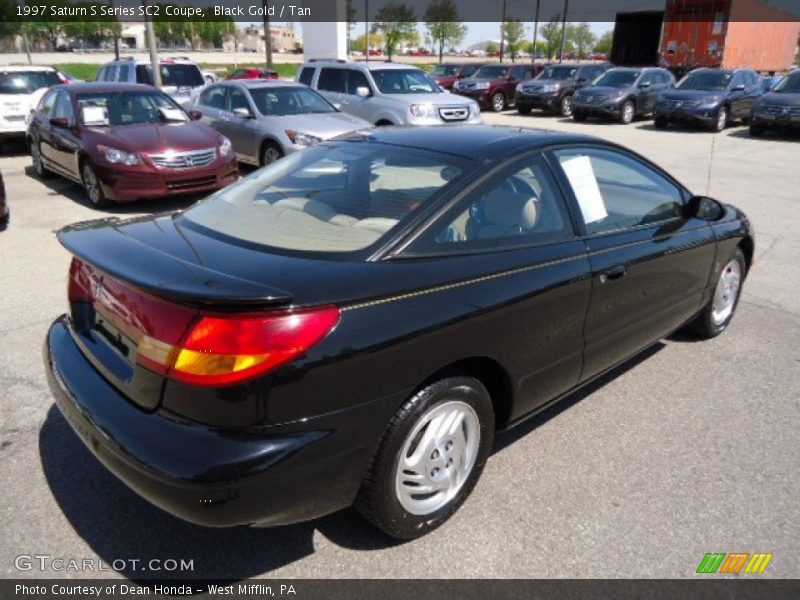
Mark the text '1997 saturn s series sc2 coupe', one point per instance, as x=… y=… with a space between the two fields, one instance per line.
x=352 y=324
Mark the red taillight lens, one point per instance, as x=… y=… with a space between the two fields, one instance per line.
x=78 y=285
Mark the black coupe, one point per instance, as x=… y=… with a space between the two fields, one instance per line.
x=353 y=324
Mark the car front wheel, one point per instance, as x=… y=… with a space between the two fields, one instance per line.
x=717 y=314
x=430 y=458
x=38 y=163
x=498 y=102
x=721 y=122
x=94 y=189
x=565 y=106
x=270 y=154
x=627 y=112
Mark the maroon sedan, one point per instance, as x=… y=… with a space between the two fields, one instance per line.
x=123 y=142
x=253 y=73
x=447 y=74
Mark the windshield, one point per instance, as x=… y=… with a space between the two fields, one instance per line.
x=128 y=108
x=26 y=82
x=706 y=80
x=491 y=72
x=789 y=84
x=281 y=101
x=444 y=70
x=334 y=197
x=618 y=79
x=558 y=73
x=404 y=81
x=178 y=75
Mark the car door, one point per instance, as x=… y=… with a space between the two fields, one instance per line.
x=41 y=128
x=351 y=102
x=753 y=90
x=212 y=103
x=648 y=92
x=332 y=84
x=515 y=75
x=64 y=144
x=737 y=95
x=650 y=264
x=242 y=131
x=530 y=277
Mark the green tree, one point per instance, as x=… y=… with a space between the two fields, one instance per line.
x=444 y=29
x=102 y=28
x=170 y=32
x=8 y=12
x=491 y=48
x=397 y=23
x=214 y=33
x=551 y=36
x=604 y=43
x=360 y=43
x=583 y=38
x=514 y=33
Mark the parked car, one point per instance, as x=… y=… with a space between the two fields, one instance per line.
x=493 y=86
x=769 y=81
x=67 y=78
x=622 y=93
x=553 y=88
x=266 y=120
x=448 y=73
x=20 y=88
x=355 y=322
x=387 y=93
x=253 y=73
x=778 y=109
x=5 y=213
x=709 y=97
x=126 y=141
x=209 y=77
x=180 y=78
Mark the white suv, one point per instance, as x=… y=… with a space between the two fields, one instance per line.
x=387 y=93
x=20 y=90
x=180 y=78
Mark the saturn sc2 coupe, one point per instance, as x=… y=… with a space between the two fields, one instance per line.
x=355 y=322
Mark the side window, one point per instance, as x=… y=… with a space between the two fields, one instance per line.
x=213 y=97
x=332 y=80
x=124 y=72
x=306 y=76
x=615 y=191
x=238 y=99
x=101 y=75
x=518 y=207
x=111 y=73
x=63 y=108
x=647 y=77
x=47 y=103
x=518 y=73
x=738 y=80
x=355 y=80
x=143 y=75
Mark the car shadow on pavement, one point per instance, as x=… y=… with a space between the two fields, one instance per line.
x=13 y=147
x=117 y=524
x=59 y=186
x=768 y=136
x=679 y=128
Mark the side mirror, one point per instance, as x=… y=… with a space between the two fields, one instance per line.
x=738 y=88
x=242 y=113
x=705 y=208
x=580 y=80
x=337 y=105
x=362 y=91
x=195 y=115
x=644 y=84
x=62 y=122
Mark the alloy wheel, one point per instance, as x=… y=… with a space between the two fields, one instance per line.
x=566 y=106
x=437 y=457
x=498 y=102
x=271 y=154
x=726 y=292
x=627 y=112
x=92 y=185
x=722 y=119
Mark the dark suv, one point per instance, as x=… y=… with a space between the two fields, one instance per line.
x=494 y=86
x=553 y=88
x=447 y=74
x=709 y=97
x=778 y=109
x=622 y=93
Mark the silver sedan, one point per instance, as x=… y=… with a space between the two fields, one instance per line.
x=266 y=120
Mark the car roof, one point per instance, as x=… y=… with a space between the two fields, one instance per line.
x=261 y=83
x=470 y=141
x=90 y=87
x=18 y=69
x=359 y=63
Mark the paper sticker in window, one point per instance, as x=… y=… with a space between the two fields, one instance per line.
x=584 y=183
x=95 y=115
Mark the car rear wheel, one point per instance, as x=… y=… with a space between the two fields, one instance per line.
x=717 y=314
x=660 y=123
x=38 y=162
x=270 y=154
x=498 y=102
x=565 y=106
x=94 y=188
x=430 y=458
x=721 y=122
x=627 y=112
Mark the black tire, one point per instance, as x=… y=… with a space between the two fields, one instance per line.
x=578 y=116
x=94 y=189
x=721 y=119
x=270 y=152
x=704 y=325
x=523 y=110
x=565 y=106
x=627 y=112
x=498 y=102
x=756 y=130
x=660 y=123
x=378 y=499
x=38 y=164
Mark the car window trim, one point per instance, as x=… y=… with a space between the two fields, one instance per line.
x=404 y=240
x=572 y=201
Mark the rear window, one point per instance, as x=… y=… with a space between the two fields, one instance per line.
x=306 y=75
x=178 y=75
x=334 y=198
x=26 y=82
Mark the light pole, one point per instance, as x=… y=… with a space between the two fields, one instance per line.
x=535 y=31
x=366 y=30
x=151 y=42
x=564 y=32
x=503 y=30
x=267 y=33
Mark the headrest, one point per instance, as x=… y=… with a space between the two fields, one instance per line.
x=510 y=209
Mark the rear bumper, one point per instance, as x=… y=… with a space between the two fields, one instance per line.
x=271 y=476
x=17 y=128
x=127 y=185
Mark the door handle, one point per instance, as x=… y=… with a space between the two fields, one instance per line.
x=615 y=272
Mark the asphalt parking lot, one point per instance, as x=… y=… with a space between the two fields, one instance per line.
x=691 y=448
